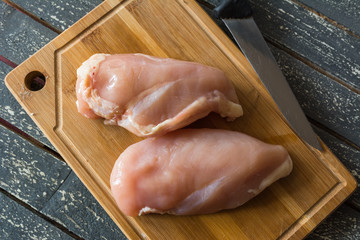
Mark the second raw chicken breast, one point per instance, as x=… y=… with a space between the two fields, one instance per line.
x=151 y=96
x=195 y=171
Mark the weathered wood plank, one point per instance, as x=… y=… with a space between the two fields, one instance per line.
x=61 y=14
x=310 y=36
x=349 y=156
x=340 y=225
x=346 y=13
x=27 y=172
x=75 y=208
x=19 y=223
x=321 y=98
x=21 y=36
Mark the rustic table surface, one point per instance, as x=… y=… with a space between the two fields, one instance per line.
x=316 y=43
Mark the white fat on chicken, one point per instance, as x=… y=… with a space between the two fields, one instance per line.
x=151 y=96
x=195 y=171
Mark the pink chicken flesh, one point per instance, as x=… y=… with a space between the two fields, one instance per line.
x=195 y=171
x=151 y=96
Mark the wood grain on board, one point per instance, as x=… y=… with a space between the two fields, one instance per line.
x=179 y=30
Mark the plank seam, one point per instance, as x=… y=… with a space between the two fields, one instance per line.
x=8 y=62
x=333 y=133
x=353 y=206
x=331 y=21
x=30 y=139
x=312 y=65
x=56 y=190
x=32 y=16
x=41 y=215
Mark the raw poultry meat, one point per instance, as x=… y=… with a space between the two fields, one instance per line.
x=195 y=171
x=151 y=96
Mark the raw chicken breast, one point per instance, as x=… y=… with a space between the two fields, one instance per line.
x=151 y=96
x=195 y=171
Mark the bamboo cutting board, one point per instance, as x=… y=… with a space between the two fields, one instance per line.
x=179 y=29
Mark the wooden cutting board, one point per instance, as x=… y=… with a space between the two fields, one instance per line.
x=179 y=29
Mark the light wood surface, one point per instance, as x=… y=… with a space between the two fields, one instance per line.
x=290 y=208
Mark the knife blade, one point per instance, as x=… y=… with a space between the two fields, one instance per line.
x=236 y=14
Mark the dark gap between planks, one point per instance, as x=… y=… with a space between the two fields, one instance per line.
x=7 y=61
x=46 y=218
x=33 y=16
x=352 y=205
x=29 y=138
x=333 y=133
x=312 y=65
x=333 y=22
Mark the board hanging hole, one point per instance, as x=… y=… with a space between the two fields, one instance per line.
x=34 y=81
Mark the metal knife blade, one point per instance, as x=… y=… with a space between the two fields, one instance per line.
x=251 y=42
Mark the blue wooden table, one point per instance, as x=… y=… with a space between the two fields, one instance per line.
x=316 y=43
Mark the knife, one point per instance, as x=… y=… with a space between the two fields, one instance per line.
x=236 y=14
